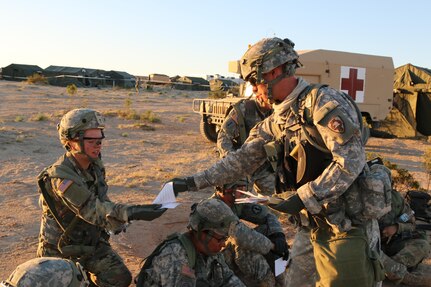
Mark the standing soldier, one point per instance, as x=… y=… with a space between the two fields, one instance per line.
x=403 y=246
x=78 y=215
x=315 y=138
x=193 y=258
x=234 y=131
x=47 y=272
x=251 y=253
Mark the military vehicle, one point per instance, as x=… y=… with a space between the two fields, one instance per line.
x=368 y=79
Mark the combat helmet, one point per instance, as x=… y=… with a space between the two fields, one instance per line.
x=211 y=214
x=49 y=272
x=75 y=122
x=266 y=55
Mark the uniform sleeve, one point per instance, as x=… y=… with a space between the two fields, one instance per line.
x=410 y=224
x=250 y=239
x=240 y=163
x=228 y=133
x=170 y=267
x=85 y=204
x=339 y=127
x=220 y=269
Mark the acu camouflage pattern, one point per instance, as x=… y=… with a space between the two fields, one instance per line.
x=266 y=55
x=47 y=272
x=246 y=247
x=85 y=198
x=212 y=214
x=408 y=247
x=329 y=194
x=229 y=140
x=171 y=268
x=78 y=120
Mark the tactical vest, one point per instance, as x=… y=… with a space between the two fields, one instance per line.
x=185 y=242
x=246 y=121
x=79 y=237
x=304 y=156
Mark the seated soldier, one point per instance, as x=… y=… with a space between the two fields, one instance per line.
x=251 y=252
x=48 y=272
x=193 y=258
x=403 y=246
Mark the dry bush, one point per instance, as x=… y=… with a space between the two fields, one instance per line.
x=37 y=79
x=71 y=89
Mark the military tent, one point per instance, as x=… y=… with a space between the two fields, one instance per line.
x=191 y=83
x=19 y=72
x=81 y=77
x=412 y=102
x=120 y=79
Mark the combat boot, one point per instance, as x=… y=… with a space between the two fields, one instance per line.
x=417 y=279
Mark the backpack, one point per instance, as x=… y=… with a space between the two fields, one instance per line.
x=185 y=242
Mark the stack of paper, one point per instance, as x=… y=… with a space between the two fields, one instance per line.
x=166 y=197
x=251 y=198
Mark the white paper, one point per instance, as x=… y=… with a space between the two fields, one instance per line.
x=280 y=266
x=251 y=198
x=166 y=197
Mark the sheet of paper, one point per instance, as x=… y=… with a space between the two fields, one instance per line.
x=251 y=198
x=166 y=197
x=280 y=266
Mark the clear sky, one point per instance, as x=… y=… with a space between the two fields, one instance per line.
x=196 y=38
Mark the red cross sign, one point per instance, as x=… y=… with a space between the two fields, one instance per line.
x=353 y=82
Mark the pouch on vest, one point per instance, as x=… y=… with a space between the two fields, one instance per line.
x=375 y=187
x=273 y=152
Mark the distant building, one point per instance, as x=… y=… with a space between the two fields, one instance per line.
x=191 y=83
x=19 y=72
x=159 y=79
x=81 y=77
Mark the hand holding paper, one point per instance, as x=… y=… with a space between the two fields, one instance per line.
x=166 y=197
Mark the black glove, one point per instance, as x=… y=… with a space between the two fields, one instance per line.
x=291 y=205
x=183 y=184
x=145 y=212
x=270 y=259
x=280 y=245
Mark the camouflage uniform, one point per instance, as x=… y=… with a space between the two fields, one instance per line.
x=246 y=247
x=229 y=140
x=77 y=213
x=325 y=196
x=177 y=261
x=81 y=198
x=405 y=249
x=47 y=272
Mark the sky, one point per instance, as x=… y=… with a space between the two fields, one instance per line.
x=198 y=38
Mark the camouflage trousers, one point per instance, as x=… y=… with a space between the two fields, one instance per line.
x=414 y=251
x=105 y=267
x=252 y=267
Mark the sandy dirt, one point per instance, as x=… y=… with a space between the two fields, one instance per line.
x=139 y=156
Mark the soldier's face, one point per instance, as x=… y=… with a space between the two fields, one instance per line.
x=93 y=142
x=213 y=242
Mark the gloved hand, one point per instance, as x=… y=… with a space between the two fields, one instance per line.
x=144 y=212
x=280 y=245
x=183 y=184
x=291 y=205
x=270 y=258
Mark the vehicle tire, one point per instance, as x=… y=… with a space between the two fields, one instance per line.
x=208 y=131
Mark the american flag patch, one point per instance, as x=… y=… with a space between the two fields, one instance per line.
x=64 y=185
x=187 y=271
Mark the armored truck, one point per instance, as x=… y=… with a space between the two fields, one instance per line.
x=368 y=79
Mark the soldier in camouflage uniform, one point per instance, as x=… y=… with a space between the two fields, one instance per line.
x=78 y=216
x=234 y=131
x=315 y=140
x=249 y=252
x=193 y=258
x=47 y=272
x=403 y=246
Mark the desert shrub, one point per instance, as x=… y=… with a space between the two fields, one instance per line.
x=71 y=89
x=19 y=118
x=37 y=79
x=149 y=87
x=39 y=117
x=150 y=116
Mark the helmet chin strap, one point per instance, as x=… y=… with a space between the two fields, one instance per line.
x=82 y=148
x=288 y=71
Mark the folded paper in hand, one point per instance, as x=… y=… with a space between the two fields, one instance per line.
x=280 y=266
x=166 y=197
x=251 y=198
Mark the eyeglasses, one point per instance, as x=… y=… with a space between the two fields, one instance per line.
x=217 y=237
x=94 y=141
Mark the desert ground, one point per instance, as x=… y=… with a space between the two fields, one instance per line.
x=139 y=156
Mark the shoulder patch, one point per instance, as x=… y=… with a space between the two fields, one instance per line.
x=64 y=185
x=336 y=124
x=187 y=271
x=256 y=209
x=234 y=117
